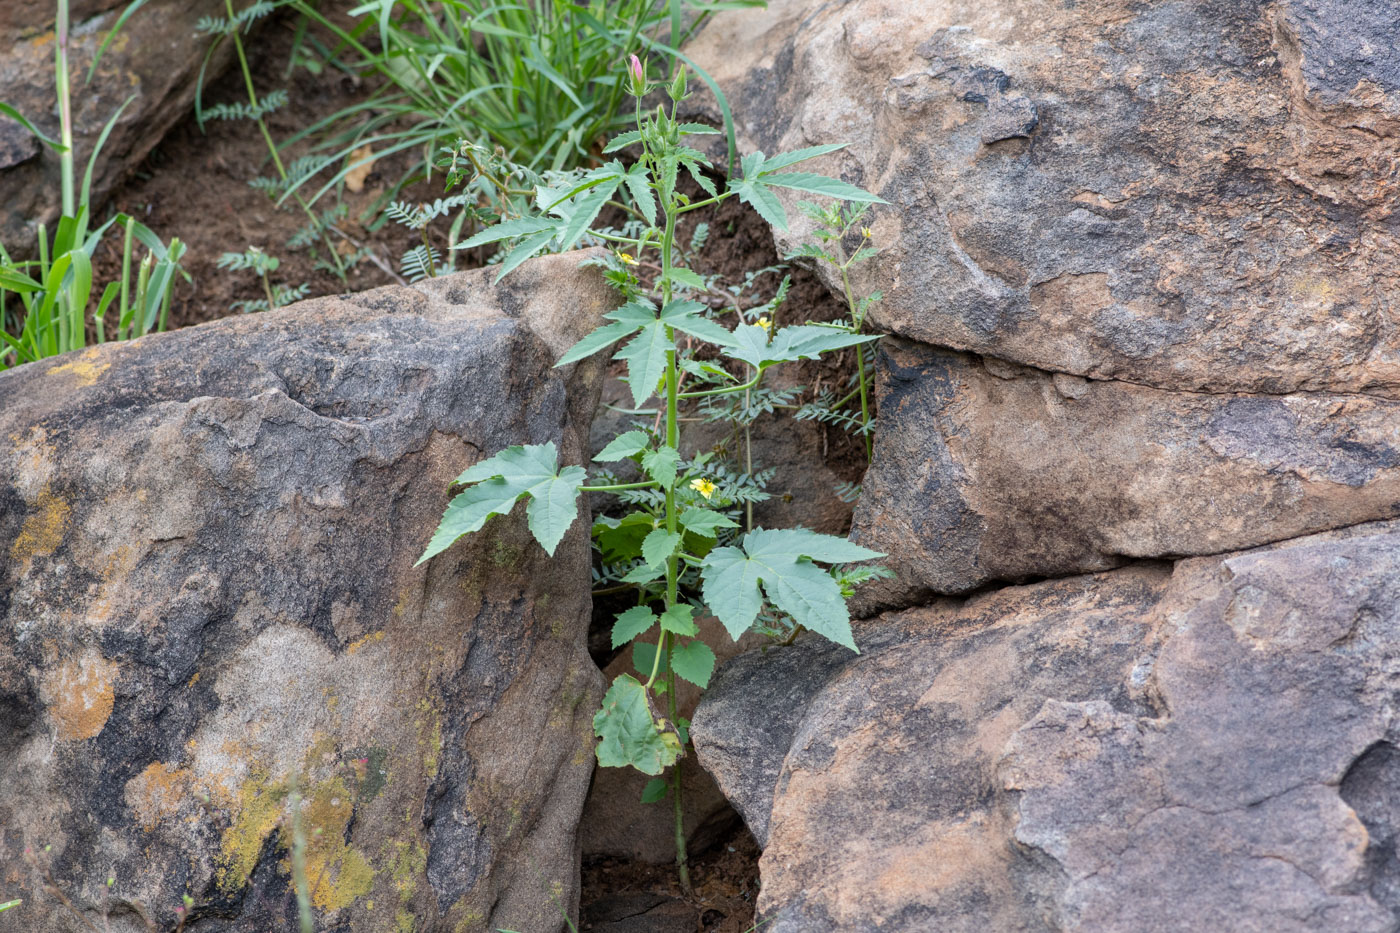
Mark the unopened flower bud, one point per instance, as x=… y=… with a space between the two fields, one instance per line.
x=638 y=75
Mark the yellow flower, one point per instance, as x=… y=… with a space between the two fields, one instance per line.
x=765 y=323
x=703 y=486
x=865 y=232
x=627 y=258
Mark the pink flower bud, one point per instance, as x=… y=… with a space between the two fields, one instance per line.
x=637 y=72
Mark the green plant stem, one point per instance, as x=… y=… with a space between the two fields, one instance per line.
x=65 y=108
x=620 y=486
x=673 y=562
x=860 y=361
x=267 y=290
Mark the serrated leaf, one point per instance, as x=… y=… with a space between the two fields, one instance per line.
x=781 y=562
x=701 y=178
x=523 y=250
x=686 y=277
x=628 y=732
x=698 y=129
x=784 y=159
x=678 y=620
x=623 y=140
x=695 y=662
x=600 y=339
x=530 y=470
x=507 y=230
x=630 y=624
x=638 y=185
x=646 y=360
x=820 y=184
x=659 y=545
x=644 y=573
x=623 y=446
x=655 y=790
x=750 y=343
x=684 y=315
x=660 y=465
x=756 y=194
x=706 y=522
x=729 y=582
x=585 y=209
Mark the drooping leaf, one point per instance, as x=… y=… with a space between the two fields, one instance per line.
x=695 y=662
x=507 y=230
x=638 y=185
x=630 y=624
x=684 y=315
x=646 y=360
x=623 y=446
x=755 y=193
x=531 y=470
x=782 y=562
x=644 y=656
x=820 y=184
x=628 y=731
x=687 y=278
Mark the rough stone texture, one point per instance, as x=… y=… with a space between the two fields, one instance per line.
x=1186 y=195
x=988 y=471
x=208 y=600
x=156 y=58
x=616 y=823
x=1209 y=746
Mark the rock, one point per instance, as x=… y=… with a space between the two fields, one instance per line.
x=1185 y=195
x=209 y=603
x=985 y=473
x=616 y=823
x=639 y=913
x=155 y=61
x=1205 y=746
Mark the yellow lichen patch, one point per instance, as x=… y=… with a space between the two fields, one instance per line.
x=429 y=728
x=370 y=639
x=43 y=529
x=156 y=793
x=337 y=872
x=85 y=369
x=81 y=697
x=257 y=812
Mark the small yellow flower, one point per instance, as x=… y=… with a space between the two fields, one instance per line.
x=765 y=323
x=703 y=486
x=865 y=232
x=627 y=258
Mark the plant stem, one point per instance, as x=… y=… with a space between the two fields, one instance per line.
x=65 y=108
x=860 y=362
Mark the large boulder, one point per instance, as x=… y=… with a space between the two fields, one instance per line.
x=209 y=606
x=155 y=61
x=1209 y=746
x=988 y=471
x=1191 y=195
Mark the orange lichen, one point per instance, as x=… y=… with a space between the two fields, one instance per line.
x=369 y=639
x=85 y=369
x=43 y=529
x=82 y=697
x=157 y=792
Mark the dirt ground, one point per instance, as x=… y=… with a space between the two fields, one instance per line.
x=195 y=186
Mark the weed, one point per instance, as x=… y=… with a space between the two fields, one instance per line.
x=680 y=542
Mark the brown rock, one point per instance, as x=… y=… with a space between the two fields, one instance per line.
x=208 y=603
x=155 y=60
x=985 y=471
x=1186 y=195
x=1201 y=747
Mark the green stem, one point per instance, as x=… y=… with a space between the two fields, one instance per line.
x=729 y=390
x=619 y=487
x=705 y=203
x=860 y=364
x=65 y=108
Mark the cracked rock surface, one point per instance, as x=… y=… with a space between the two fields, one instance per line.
x=1188 y=195
x=1204 y=746
x=208 y=602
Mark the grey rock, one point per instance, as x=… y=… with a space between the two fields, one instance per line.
x=987 y=472
x=1185 y=195
x=209 y=601
x=1208 y=745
